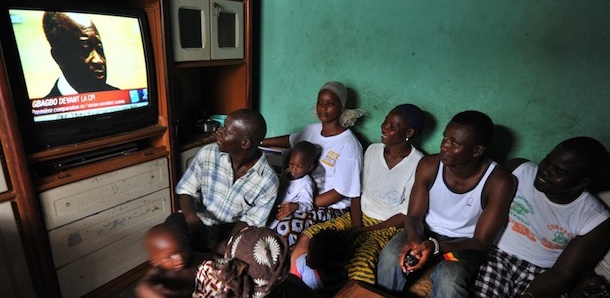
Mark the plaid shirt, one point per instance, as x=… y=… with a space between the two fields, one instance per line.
x=209 y=178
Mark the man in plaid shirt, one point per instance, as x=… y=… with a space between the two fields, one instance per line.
x=229 y=185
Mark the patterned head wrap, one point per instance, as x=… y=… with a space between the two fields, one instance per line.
x=348 y=116
x=256 y=260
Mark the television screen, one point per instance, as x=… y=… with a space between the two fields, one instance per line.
x=78 y=70
x=79 y=64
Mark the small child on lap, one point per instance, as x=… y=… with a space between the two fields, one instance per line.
x=296 y=187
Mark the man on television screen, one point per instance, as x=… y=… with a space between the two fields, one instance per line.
x=76 y=47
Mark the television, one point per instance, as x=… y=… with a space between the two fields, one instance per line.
x=78 y=70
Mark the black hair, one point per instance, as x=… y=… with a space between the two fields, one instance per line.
x=326 y=248
x=307 y=150
x=481 y=124
x=328 y=253
x=167 y=230
x=256 y=127
x=591 y=151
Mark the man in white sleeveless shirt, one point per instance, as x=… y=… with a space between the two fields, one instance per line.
x=556 y=228
x=458 y=206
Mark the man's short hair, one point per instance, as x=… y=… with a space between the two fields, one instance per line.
x=482 y=125
x=256 y=127
x=591 y=151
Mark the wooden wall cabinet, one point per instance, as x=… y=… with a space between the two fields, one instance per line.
x=201 y=88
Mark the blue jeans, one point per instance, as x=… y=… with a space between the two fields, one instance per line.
x=389 y=274
x=449 y=279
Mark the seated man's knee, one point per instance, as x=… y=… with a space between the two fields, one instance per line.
x=448 y=271
x=389 y=273
x=388 y=257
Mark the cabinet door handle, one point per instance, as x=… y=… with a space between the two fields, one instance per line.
x=217 y=9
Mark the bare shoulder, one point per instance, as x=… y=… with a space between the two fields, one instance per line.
x=501 y=175
x=502 y=184
x=429 y=161
x=428 y=166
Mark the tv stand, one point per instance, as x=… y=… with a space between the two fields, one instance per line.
x=81 y=159
x=94 y=144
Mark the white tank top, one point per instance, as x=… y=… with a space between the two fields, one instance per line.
x=455 y=214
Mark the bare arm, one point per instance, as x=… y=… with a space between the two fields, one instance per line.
x=160 y=283
x=186 y=204
x=188 y=210
x=418 y=206
x=582 y=252
x=356 y=213
x=328 y=198
x=146 y=286
x=300 y=248
x=280 y=141
x=397 y=221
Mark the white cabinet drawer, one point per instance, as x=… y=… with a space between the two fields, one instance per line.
x=14 y=272
x=71 y=202
x=94 y=270
x=82 y=237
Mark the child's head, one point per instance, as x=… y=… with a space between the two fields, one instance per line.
x=328 y=248
x=328 y=253
x=303 y=158
x=165 y=248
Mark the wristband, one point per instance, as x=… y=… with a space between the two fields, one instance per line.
x=437 y=246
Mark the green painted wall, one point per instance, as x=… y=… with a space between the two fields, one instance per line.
x=540 y=69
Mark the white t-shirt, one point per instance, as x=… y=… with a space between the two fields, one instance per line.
x=603 y=267
x=339 y=165
x=539 y=229
x=298 y=191
x=386 y=192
